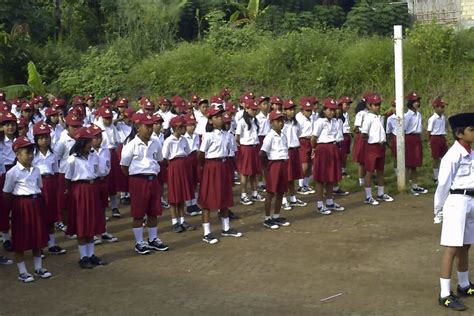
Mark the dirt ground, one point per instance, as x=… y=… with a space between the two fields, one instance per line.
x=384 y=260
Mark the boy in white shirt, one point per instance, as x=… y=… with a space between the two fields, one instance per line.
x=437 y=135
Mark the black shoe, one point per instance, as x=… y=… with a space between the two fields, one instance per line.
x=467 y=291
x=281 y=221
x=142 y=248
x=125 y=200
x=270 y=223
x=186 y=226
x=85 y=263
x=96 y=261
x=340 y=192
x=177 y=228
x=56 y=250
x=210 y=239
x=116 y=213
x=232 y=215
x=7 y=245
x=231 y=232
x=452 y=301
x=156 y=244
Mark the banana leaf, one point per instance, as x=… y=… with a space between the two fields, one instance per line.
x=17 y=91
x=34 y=79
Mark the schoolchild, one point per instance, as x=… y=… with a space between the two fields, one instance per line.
x=339 y=142
x=263 y=129
x=358 y=150
x=227 y=120
x=3 y=259
x=437 y=135
x=90 y=108
x=166 y=114
x=391 y=130
x=244 y=98
x=159 y=137
x=124 y=128
x=454 y=204
x=305 y=120
x=201 y=116
x=274 y=155
x=140 y=162
x=276 y=103
x=192 y=209
x=23 y=128
x=52 y=119
x=345 y=102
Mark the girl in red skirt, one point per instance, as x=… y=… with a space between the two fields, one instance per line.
x=326 y=163
x=46 y=161
x=159 y=136
x=291 y=130
x=339 y=142
x=52 y=119
x=215 y=191
x=437 y=135
x=86 y=218
x=358 y=151
x=274 y=155
x=192 y=209
x=413 y=146
x=263 y=129
x=180 y=186
x=345 y=103
x=305 y=120
x=248 y=163
x=23 y=193
x=227 y=119
x=124 y=128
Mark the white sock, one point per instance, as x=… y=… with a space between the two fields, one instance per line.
x=435 y=174
x=267 y=217
x=380 y=190
x=207 y=228
x=174 y=221
x=152 y=233
x=284 y=200
x=181 y=220
x=301 y=182
x=90 y=249
x=414 y=185
x=336 y=188
x=306 y=181
x=6 y=236
x=254 y=193
x=329 y=201
x=260 y=183
x=189 y=203
x=37 y=263
x=445 y=285
x=368 y=192
x=276 y=215
x=361 y=181
x=52 y=240
x=225 y=223
x=463 y=279
x=138 y=233
x=21 y=267
x=243 y=195
x=343 y=170
x=320 y=204
x=194 y=201
x=82 y=251
x=293 y=198
x=114 y=201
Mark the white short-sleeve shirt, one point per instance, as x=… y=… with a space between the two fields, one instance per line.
x=47 y=164
x=167 y=116
x=141 y=158
x=175 y=147
x=392 y=124
x=193 y=141
x=82 y=168
x=359 y=118
x=62 y=149
x=437 y=125
x=413 y=122
x=56 y=133
x=305 y=124
x=263 y=124
x=7 y=152
x=346 y=128
x=104 y=165
x=215 y=144
x=123 y=131
x=373 y=127
x=21 y=181
x=201 y=123
x=292 y=133
x=247 y=136
x=340 y=129
x=275 y=146
x=325 y=130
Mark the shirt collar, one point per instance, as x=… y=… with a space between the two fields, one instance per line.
x=21 y=167
x=465 y=149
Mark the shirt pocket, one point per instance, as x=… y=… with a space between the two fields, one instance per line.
x=464 y=169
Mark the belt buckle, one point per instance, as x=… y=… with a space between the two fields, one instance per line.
x=91 y=181
x=34 y=196
x=150 y=178
x=223 y=159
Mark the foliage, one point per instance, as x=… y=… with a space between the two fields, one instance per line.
x=34 y=79
x=246 y=15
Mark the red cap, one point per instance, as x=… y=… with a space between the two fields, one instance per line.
x=275 y=115
x=216 y=99
x=7 y=117
x=438 y=102
x=214 y=109
x=89 y=97
x=84 y=132
x=73 y=120
x=195 y=98
x=190 y=119
x=122 y=102
x=128 y=112
x=142 y=118
x=366 y=95
x=21 y=142
x=34 y=100
x=149 y=105
x=413 y=96
x=203 y=101
x=275 y=100
x=251 y=104
x=143 y=100
x=22 y=122
x=176 y=100
x=330 y=103
x=247 y=96
x=164 y=101
x=58 y=102
x=105 y=101
x=26 y=107
x=50 y=111
x=374 y=99
x=344 y=99
x=94 y=130
x=224 y=92
x=288 y=104
x=262 y=98
x=230 y=107
x=177 y=121
x=77 y=100
x=314 y=99
x=306 y=104
x=41 y=128
x=5 y=106
x=156 y=118
x=40 y=98
x=3 y=96
x=226 y=118
x=105 y=113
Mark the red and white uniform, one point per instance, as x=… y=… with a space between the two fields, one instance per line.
x=375 y=149
x=263 y=126
x=437 y=130
x=111 y=140
x=326 y=163
x=276 y=148
x=358 y=151
x=55 y=134
x=248 y=162
x=62 y=149
x=48 y=167
x=167 y=116
x=413 y=146
x=306 y=129
x=201 y=123
x=103 y=171
x=193 y=144
x=292 y=132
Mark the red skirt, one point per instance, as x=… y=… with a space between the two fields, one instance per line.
x=115 y=172
x=326 y=164
x=305 y=150
x=346 y=144
x=215 y=192
x=193 y=166
x=180 y=186
x=4 y=209
x=413 y=151
x=260 y=141
x=163 y=174
x=375 y=157
x=358 y=152
x=294 y=164
x=49 y=193
x=103 y=187
x=145 y=196
x=28 y=225
x=393 y=146
x=248 y=163
x=86 y=216
x=276 y=177
x=438 y=146
x=62 y=197
x=122 y=179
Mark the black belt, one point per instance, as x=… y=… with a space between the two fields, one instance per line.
x=149 y=177
x=463 y=192
x=85 y=181
x=218 y=159
x=47 y=175
x=31 y=196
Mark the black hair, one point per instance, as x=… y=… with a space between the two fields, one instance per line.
x=361 y=105
x=410 y=103
x=48 y=121
x=37 y=149
x=458 y=130
x=340 y=116
x=132 y=134
x=321 y=112
x=2 y=133
x=248 y=119
x=209 y=127
x=78 y=147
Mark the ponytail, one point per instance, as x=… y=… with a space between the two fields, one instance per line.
x=248 y=120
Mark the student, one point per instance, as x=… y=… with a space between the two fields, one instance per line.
x=227 y=120
x=437 y=135
x=201 y=117
x=358 y=151
x=192 y=209
x=274 y=155
x=454 y=204
x=345 y=103
x=3 y=226
x=52 y=119
x=166 y=114
x=46 y=161
x=38 y=108
x=372 y=129
x=391 y=131
x=85 y=215
x=305 y=121
x=339 y=142
x=124 y=128
x=326 y=163
x=413 y=146
x=140 y=162
x=215 y=191
x=248 y=164
x=276 y=103
x=90 y=109
x=263 y=129
x=23 y=193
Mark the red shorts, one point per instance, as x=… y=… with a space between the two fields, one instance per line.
x=50 y=197
x=103 y=187
x=276 y=176
x=413 y=151
x=86 y=216
x=163 y=175
x=28 y=226
x=193 y=166
x=393 y=146
x=305 y=150
x=4 y=209
x=180 y=186
x=438 y=145
x=295 y=171
x=122 y=179
x=215 y=191
x=326 y=164
x=358 y=152
x=248 y=163
x=115 y=171
x=145 y=196
x=375 y=157
x=346 y=144
x=62 y=197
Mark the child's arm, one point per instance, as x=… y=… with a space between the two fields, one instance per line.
x=447 y=172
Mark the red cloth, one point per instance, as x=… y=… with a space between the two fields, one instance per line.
x=28 y=225
x=295 y=171
x=215 y=192
x=62 y=197
x=248 y=163
x=305 y=150
x=103 y=187
x=326 y=164
x=393 y=146
x=358 y=151
x=276 y=177
x=413 y=151
x=180 y=186
x=145 y=196
x=346 y=144
x=374 y=157
x=193 y=166
x=4 y=209
x=115 y=171
x=438 y=146
x=163 y=175
x=86 y=216
x=49 y=193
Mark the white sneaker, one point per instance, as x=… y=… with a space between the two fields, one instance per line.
x=324 y=211
x=385 y=198
x=286 y=206
x=97 y=240
x=371 y=201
